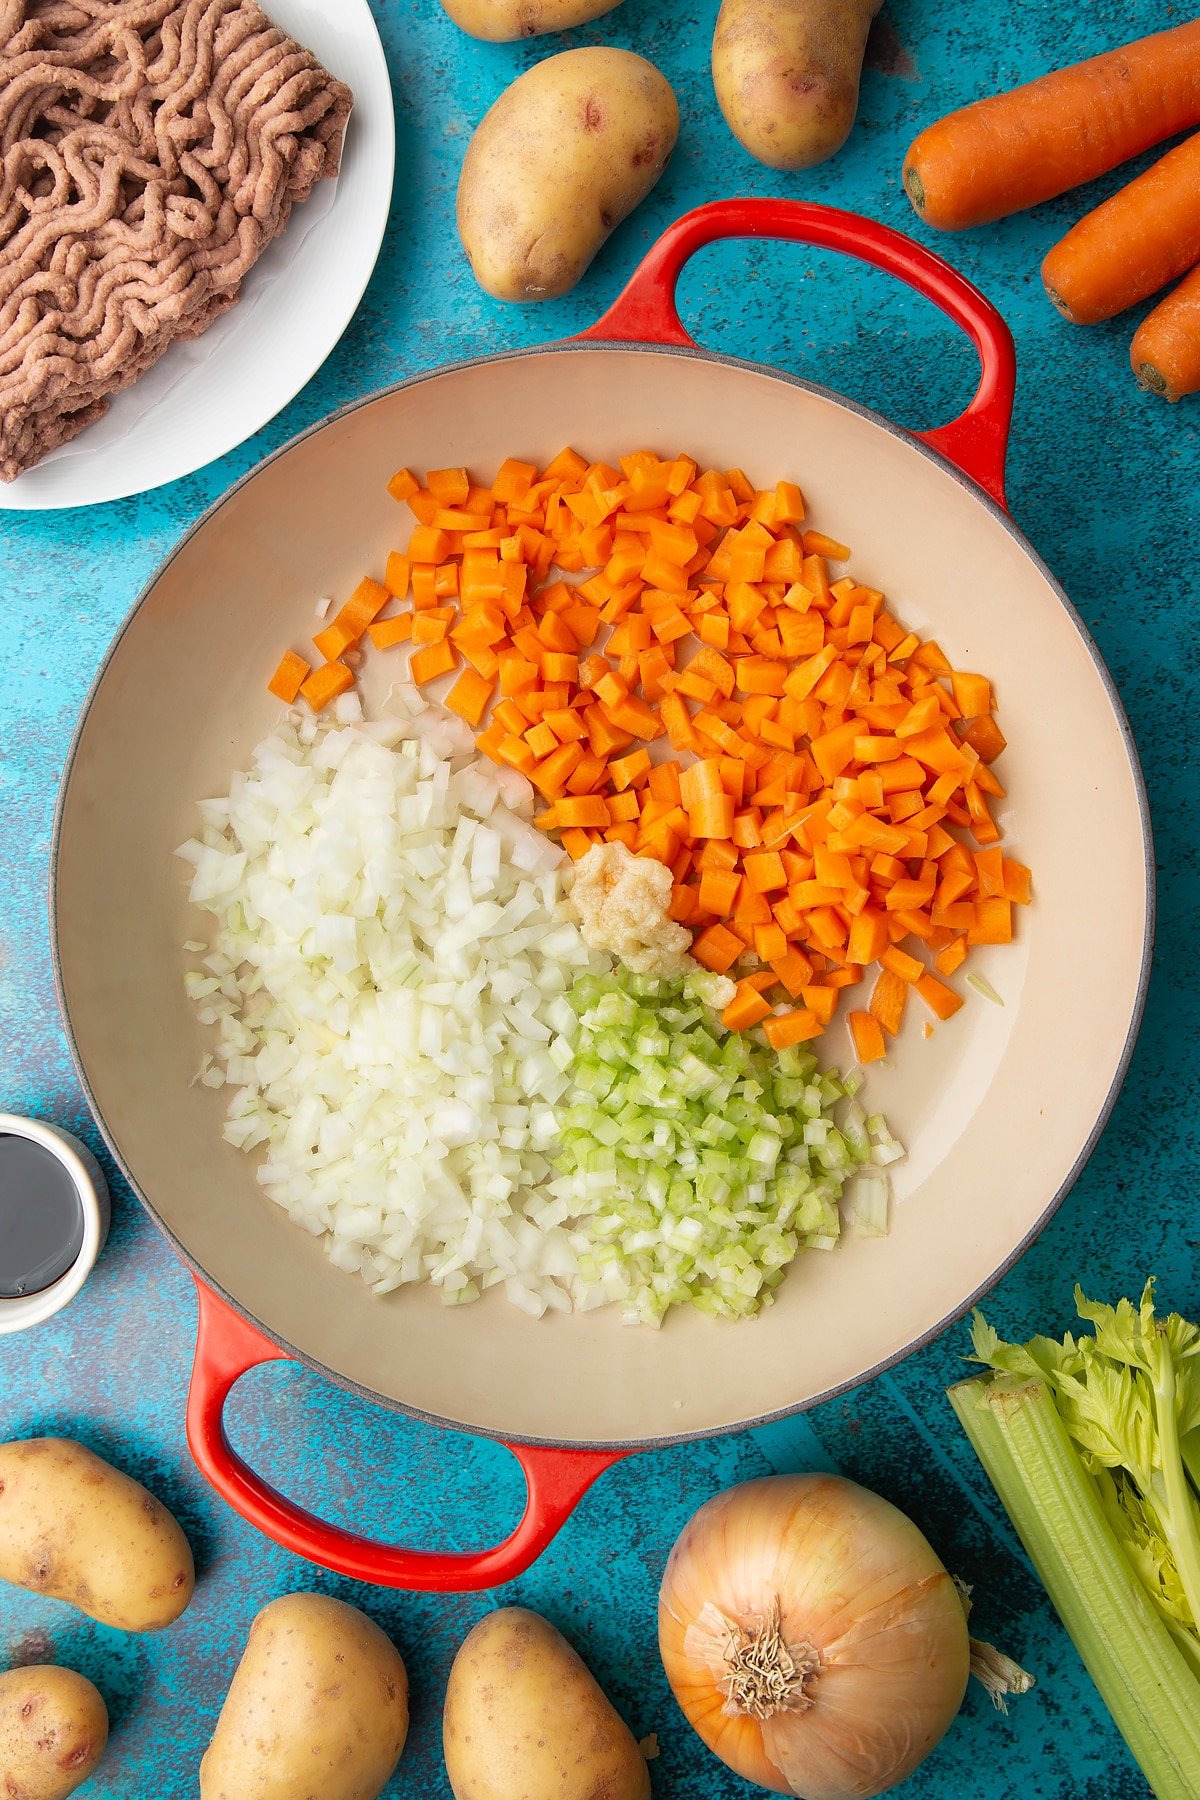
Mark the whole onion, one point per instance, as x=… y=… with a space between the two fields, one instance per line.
x=812 y=1637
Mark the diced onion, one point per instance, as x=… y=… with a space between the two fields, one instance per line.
x=387 y=981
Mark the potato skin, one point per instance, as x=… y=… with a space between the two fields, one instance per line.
x=562 y=157
x=53 y=1732
x=500 y=21
x=786 y=75
x=526 y=1720
x=318 y=1706
x=75 y=1528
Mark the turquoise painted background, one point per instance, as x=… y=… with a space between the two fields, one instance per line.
x=1102 y=479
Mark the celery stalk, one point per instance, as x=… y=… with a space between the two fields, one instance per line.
x=1181 y=1520
x=1130 y=1653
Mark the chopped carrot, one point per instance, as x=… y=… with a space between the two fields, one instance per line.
x=604 y=734
x=325 y=683
x=942 y=1001
x=985 y=737
x=817 y=544
x=753 y=910
x=396 y=575
x=993 y=922
x=403 y=485
x=368 y=599
x=794 y=971
x=513 y=480
x=517 y=754
x=770 y=940
x=386 y=633
x=789 y=504
x=585 y=772
x=888 y=999
x=541 y=739
x=717 y=948
x=712 y=818
x=628 y=771
x=952 y=957
x=718 y=890
x=584 y=809
x=868 y=935
x=675 y=716
x=575 y=842
x=820 y=1001
x=428 y=544
x=549 y=774
x=663 y=782
x=867 y=1032
x=717 y=853
x=427 y=628
x=289 y=677
x=973 y=694
x=559 y=666
x=760 y=675
x=470 y=696
x=788 y=1028
x=1017 y=883
x=745 y=1009
x=835 y=810
x=450 y=486
x=434 y=660
x=765 y=871
x=908 y=968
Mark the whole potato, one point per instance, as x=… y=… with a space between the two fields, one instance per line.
x=502 y=20
x=562 y=157
x=317 y=1708
x=53 y=1730
x=526 y=1720
x=75 y=1528
x=786 y=73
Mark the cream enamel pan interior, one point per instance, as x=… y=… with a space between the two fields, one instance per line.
x=998 y=1108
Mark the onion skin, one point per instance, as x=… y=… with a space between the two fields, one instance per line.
x=857 y=1581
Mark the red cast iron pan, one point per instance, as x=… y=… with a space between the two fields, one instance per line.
x=999 y=1110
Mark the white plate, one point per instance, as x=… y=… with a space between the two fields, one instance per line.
x=206 y=397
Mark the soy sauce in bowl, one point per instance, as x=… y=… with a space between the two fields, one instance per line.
x=41 y=1218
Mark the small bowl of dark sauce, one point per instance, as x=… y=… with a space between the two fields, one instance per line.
x=54 y=1214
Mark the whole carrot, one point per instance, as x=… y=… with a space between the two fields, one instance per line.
x=1017 y=149
x=1137 y=241
x=1165 y=352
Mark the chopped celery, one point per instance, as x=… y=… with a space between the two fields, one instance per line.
x=1090 y=1444
x=983 y=986
x=723 y=1158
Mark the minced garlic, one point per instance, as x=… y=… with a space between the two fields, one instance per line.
x=622 y=902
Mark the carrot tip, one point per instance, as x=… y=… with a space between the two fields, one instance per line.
x=1057 y=300
x=1152 y=380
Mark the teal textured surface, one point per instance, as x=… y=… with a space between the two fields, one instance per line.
x=1102 y=479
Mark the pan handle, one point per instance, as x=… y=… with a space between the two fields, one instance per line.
x=646 y=312
x=227 y=1347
